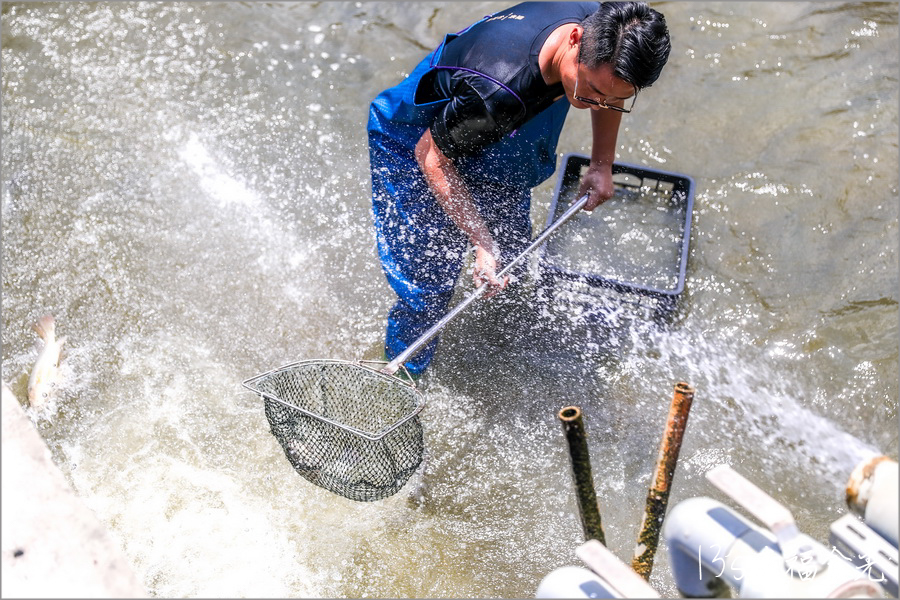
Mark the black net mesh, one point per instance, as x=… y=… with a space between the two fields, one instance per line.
x=346 y=437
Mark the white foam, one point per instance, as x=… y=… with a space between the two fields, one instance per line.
x=218 y=184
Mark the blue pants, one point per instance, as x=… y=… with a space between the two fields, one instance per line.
x=422 y=251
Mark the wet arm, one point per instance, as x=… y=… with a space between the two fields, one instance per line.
x=454 y=197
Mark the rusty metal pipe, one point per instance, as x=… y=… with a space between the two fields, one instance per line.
x=658 y=496
x=588 y=510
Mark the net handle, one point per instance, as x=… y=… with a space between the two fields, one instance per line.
x=404 y=372
x=426 y=337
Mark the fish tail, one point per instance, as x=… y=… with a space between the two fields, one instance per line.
x=46 y=327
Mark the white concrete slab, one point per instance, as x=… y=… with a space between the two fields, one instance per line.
x=53 y=545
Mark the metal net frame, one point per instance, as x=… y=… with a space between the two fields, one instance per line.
x=344 y=426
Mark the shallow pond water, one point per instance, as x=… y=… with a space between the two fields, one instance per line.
x=185 y=188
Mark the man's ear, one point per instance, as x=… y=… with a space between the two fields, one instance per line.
x=575 y=35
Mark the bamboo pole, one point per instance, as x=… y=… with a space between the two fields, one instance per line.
x=658 y=496
x=588 y=510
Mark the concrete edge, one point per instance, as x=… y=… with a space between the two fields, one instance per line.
x=53 y=545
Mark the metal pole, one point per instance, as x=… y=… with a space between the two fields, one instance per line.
x=393 y=366
x=658 y=496
x=588 y=510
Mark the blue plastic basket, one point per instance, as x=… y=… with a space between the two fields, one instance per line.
x=631 y=250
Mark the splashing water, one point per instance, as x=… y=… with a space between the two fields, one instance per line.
x=185 y=187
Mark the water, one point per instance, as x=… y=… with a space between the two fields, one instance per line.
x=185 y=187
x=638 y=239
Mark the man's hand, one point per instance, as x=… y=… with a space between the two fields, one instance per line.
x=598 y=179
x=598 y=183
x=486 y=272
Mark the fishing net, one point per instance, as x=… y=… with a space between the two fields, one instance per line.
x=344 y=426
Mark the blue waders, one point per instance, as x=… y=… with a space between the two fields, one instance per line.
x=422 y=251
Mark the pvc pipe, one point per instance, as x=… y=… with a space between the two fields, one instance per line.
x=588 y=510
x=574 y=582
x=712 y=547
x=872 y=493
x=621 y=577
x=608 y=577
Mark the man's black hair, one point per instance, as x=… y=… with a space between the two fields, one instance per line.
x=630 y=36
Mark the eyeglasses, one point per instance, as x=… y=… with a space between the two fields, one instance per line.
x=601 y=104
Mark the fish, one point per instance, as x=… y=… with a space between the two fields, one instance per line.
x=45 y=373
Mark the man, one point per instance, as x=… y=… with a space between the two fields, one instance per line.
x=457 y=146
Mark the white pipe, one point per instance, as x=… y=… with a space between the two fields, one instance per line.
x=711 y=546
x=608 y=577
x=872 y=493
x=574 y=582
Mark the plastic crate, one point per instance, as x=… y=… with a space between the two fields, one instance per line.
x=631 y=250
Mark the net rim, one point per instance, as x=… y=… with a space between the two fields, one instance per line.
x=251 y=383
